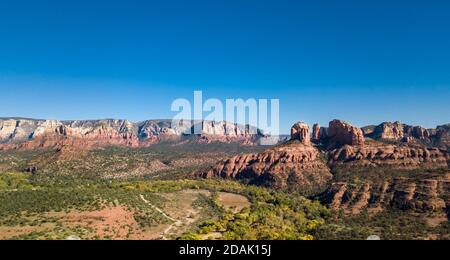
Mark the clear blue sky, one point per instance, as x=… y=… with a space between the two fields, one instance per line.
x=363 y=61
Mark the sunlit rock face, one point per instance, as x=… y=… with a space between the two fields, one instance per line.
x=29 y=133
x=342 y=133
x=292 y=166
x=300 y=132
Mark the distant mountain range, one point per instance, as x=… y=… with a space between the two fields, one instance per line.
x=32 y=133
x=41 y=133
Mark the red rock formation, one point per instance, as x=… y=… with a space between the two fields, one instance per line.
x=368 y=130
x=398 y=132
x=377 y=164
x=319 y=133
x=55 y=134
x=443 y=135
x=316 y=132
x=300 y=132
x=417 y=132
x=389 y=131
x=342 y=133
x=351 y=200
x=381 y=155
x=403 y=193
x=420 y=133
x=335 y=195
x=292 y=166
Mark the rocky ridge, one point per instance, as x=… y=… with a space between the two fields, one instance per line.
x=400 y=132
x=403 y=193
x=297 y=165
x=393 y=156
x=310 y=161
x=31 y=133
x=293 y=166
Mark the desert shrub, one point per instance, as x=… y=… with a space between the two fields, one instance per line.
x=13 y=181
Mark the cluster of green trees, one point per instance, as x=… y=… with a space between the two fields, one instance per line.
x=272 y=216
x=391 y=224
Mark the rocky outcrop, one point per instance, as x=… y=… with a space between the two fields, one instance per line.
x=316 y=132
x=338 y=133
x=443 y=135
x=225 y=132
x=382 y=155
x=370 y=177
x=340 y=197
x=389 y=131
x=29 y=133
x=417 y=132
x=17 y=130
x=409 y=134
x=342 y=133
x=368 y=130
x=300 y=132
x=292 y=167
x=319 y=133
x=84 y=134
x=426 y=195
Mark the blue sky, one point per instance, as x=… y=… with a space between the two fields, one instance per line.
x=362 y=61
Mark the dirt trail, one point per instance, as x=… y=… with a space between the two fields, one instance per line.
x=180 y=212
x=157 y=209
x=176 y=223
